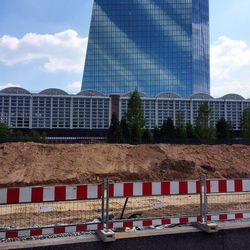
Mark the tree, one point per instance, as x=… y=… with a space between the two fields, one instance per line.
x=157 y=135
x=204 y=115
x=19 y=136
x=180 y=118
x=223 y=129
x=190 y=131
x=245 y=124
x=203 y=128
x=146 y=136
x=204 y=134
x=167 y=129
x=5 y=132
x=34 y=136
x=135 y=116
x=124 y=128
x=44 y=138
x=180 y=129
x=181 y=132
x=135 y=134
x=114 y=131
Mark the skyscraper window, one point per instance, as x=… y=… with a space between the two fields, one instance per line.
x=154 y=46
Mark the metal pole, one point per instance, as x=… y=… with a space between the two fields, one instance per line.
x=103 y=201
x=205 y=198
x=201 y=199
x=107 y=203
x=124 y=207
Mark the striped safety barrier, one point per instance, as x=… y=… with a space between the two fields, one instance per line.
x=20 y=195
x=228 y=186
x=179 y=220
x=229 y=216
x=18 y=233
x=135 y=189
x=122 y=224
x=153 y=222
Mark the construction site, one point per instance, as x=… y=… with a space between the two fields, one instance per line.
x=64 y=189
x=29 y=164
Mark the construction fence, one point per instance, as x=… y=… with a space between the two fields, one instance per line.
x=35 y=211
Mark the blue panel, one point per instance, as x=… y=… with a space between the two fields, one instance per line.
x=146 y=45
x=201 y=55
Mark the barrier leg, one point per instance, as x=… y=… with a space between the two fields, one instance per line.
x=203 y=224
x=103 y=203
x=205 y=198
x=106 y=234
x=107 y=203
x=201 y=200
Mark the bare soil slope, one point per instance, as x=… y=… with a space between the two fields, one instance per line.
x=33 y=164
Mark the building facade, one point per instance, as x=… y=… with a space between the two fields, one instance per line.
x=185 y=110
x=54 y=110
x=154 y=46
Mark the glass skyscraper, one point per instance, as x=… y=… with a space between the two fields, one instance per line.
x=154 y=46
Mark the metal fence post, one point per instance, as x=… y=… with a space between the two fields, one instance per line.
x=201 y=199
x=107 y=203
x=103 y=201
x=205 y=198
x=106 y=235
x=203 y=224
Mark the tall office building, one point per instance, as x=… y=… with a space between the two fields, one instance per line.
x=154 y=46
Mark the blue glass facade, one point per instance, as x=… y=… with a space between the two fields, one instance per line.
x=153 y=46
x=200 y=47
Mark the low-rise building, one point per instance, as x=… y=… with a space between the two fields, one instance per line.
x=89 y=112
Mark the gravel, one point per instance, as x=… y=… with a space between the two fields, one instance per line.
x=51 y=236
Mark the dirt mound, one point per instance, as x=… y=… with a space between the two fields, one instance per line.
x=181 y=166
x=33 y=164
x=208 y=168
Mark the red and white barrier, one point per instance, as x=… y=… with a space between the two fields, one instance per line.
x=135 y=189
x=229 y=216
x=49 y=194
x=179 y=220
x=121 y=224
x=153 y=222
x=228 y=186
x=49 y=231
x=117 y=190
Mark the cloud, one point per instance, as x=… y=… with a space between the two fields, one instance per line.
x=230 y=67
x=8 y=85
x=74 y=87
x=61 y=51
x=66 y=51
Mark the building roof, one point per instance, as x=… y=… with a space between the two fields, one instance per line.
x=90 y=93
x=15 y=90
x=168 y=95
x=201 y=96
x=232 y=97
x=53 y=92
x=141 y=94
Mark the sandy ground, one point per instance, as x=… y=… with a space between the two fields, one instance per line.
x=33 y=164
